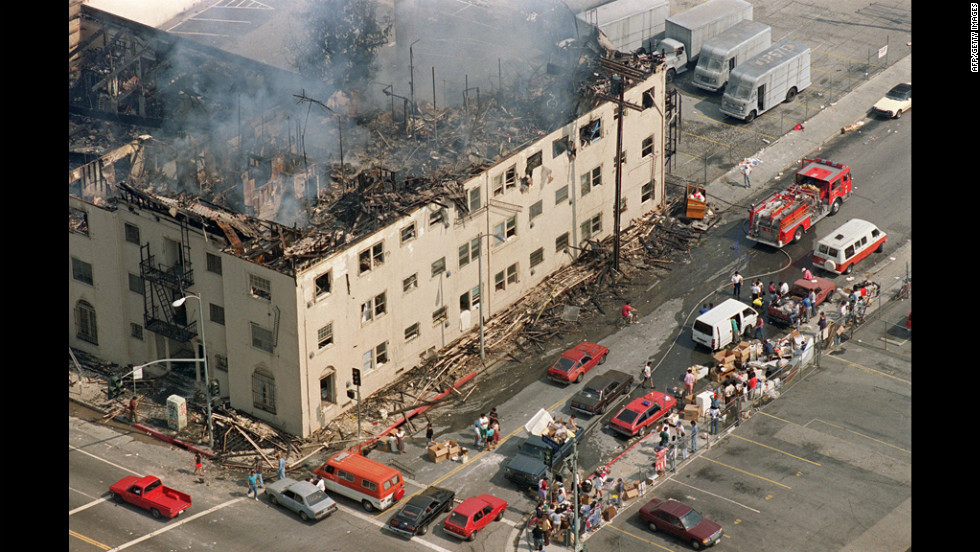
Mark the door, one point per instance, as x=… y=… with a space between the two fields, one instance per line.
x=761 y=98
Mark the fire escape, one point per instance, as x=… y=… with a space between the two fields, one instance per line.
x=672 y=125
x=163 y=285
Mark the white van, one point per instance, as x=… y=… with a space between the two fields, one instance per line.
x=846 y=246
x=713 y=329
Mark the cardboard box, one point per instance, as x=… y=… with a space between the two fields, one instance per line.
x=609 y=513
x=438 y=453
x=692 y=412
x=631 y=493
x=452 y=447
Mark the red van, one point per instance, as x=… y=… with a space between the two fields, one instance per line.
x=376 y=486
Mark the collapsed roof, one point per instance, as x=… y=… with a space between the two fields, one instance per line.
x=250 y=153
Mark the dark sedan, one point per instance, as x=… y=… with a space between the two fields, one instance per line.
x=601 y=391
x=415 y=517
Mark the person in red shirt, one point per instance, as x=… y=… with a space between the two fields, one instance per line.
x=628 y=313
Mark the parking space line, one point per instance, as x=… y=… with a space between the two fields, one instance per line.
x=871 y=370
x=775 y=449
x=700 y=490
x=178 y=524
x=93 y=542
x=637 y=537
x=740 y=470
x=863 y=436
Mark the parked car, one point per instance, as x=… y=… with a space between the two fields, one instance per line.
x=641 y=413
x=420 y=510
x=780 y=310
x=577 y=361
x=473 y=515
x=898 y=100
x=150 y=494
x=601 y=391
x=302 y=497
x=682 y=521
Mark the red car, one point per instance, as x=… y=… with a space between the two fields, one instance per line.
x=474 y=514
x=781 y=310
x=150 y=494
x=682 y=521
x=577 y=361
x=636 y=417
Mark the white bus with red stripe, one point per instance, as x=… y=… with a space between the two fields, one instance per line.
x=848 y=245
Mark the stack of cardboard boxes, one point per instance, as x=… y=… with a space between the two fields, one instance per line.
x=448 y=450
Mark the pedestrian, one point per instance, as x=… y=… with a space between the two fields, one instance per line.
x=759 y=333
x=620 y=491
x=807 y=275
x=822 y=324
x=538 y=536
x=768 y=349
x=489 y=438
x=496 y=434
x=689 y=381
x=746 y=171
x=735 y=328
x=321 y=484
x=628 y=311
x=545 y=525
x=672 y=452
x=478 y=429
x=428 y=435
x=664 y=436
x=714 y=414
x=560 y=493
x=543 y=489
x=493 y=415
x=681 y=435
x=133 y=404
x=694 y=435
x=756 y=290
x=813 y=303
x=736 y=284
x=772 y=289
x=704 y=308
x=198 y=466
x=281 y=472
x=572 y=425
x=400 y=440
x=647 y=382
x=252 y=488
x=783 y=288
x=257 y=468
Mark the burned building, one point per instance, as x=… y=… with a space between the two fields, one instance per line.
x=319 y=237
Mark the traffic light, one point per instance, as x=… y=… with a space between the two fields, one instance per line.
x=115 y=387
x=356 y=376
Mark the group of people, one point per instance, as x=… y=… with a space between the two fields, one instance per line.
x=487 y=430
x=254 y=479
x=554 y=515
x=561 y=431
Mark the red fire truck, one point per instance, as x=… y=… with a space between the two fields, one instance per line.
x=818 y=190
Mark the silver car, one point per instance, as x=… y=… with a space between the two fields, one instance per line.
x=302 y=497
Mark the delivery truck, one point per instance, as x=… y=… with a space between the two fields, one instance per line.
x=773 y=76
x=686 y=32
x=629 y=24
x=724 y=52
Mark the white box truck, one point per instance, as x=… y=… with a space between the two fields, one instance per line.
x=773 y=76
x=685 y=32
x=722 y=53
x=629 y=24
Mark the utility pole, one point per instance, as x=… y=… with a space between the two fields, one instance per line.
x=619 y=73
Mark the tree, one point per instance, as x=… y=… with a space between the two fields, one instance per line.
x=339 y=42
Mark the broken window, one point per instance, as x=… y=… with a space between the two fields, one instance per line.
x=374 y=307
x=324 y=284
x=410 y=283
x=590 y=132
x=537 y=257
x=82 y=271
x=591 y=227
x=439 y=315
x=132 y=233
x=439 y=267
x=437 y=217
x=533 y=162
x=78 y=221
x=498 y=184
x=408 y=233
x=324 y=336
x=559 y=146
x=646 y=147
x=381 y=354
x=371 y=258
x=511 y=179
x=648 y=98
x=591 y=179
x=259 y=287
x=264 y=391
x=505 y=230
x=412 y=332
x=470 y=299
x=328 y=386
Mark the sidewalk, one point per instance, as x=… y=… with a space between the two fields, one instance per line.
x=777 y=159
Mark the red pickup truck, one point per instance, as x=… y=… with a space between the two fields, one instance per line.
x=149 y=493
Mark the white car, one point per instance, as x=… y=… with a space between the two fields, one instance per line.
x=898 y=100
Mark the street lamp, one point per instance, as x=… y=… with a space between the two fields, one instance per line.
x=204 y=346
